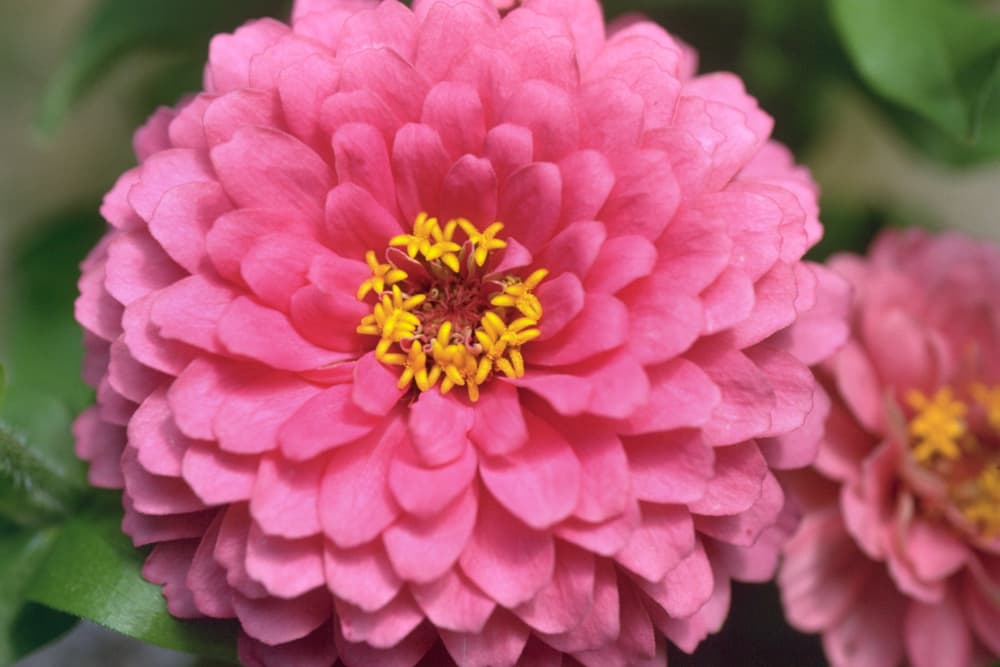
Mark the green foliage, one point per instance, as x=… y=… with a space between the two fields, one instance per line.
x=939 y=59
x=179 y=29
x=92 y=570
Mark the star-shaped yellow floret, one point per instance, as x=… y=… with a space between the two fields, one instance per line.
x=517 y=294
x=483 y=242
x=938 y=425
x=383 y=275
x=431 y=241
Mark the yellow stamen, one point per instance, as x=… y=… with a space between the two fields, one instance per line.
x=938 y=425
x=474 y=336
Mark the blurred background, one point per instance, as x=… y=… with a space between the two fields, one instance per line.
x=893 y=104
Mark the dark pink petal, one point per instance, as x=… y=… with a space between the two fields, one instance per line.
x=229 y=55
x=604 y=471
x=327 y=420
x=935 y=552
x=605 y=538
x=469 y=191
x=406 y=653
x=250 y=330
x=100 y=444
x=167 y=565
x=531 y=202
x=453 y=603
x=147 y=529
x=424 y=549
x=743 y=529
x=687 y=633
x=736 y=485
x=663 y=539
x=189 y=311
x=621 y=261
x=439 y=427
x=248 y=419
x=182 y=219
x=420 y=163
x=362 y=576
x=276 y=621
x=508 y=560
x=539 y=484
x=230 y=551
x=663 y=322
x=313 y=650
x=206 y=578
x=872 y=634
x=284 y=501
x=601 y=624
x=95 y=309
x=199 y=391
x=799 y=447
x=645 y=196
x=671 y=467
x=498 y=644
x=355 y=503
x=682 y=395
x=362 y=158
x=218 y=477
x=566 y=600
x=686 y=588
x=859 y=386
x=152 y=432
x=601 y=326
x=263 y=167
x=165 y=171
x=498 y=426
x=286 y=568
x=380 y=629
x=425 y=491
x=132 y=380
x=747 y=398
x=145 y=344
x=158 y=495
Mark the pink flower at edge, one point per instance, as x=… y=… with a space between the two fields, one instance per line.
x=898 y=555
x=308 y=462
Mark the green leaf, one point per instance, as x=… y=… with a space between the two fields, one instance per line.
x=24 y=627
x=119 y=28
x=93 y=571
x=937 y=58
x=32 y=490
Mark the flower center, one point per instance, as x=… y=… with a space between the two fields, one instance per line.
x=958 y=440
x=443 y=312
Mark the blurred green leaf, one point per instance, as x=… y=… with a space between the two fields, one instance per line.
x=41 y=343
x=24 y=627
x=31 y=490
x=118 y=28
x=937 y=58
x=92 y=570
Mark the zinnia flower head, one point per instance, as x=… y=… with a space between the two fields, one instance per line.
x=899 y=553
x=456 y=330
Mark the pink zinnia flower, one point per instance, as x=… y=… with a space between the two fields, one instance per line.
x=455 y=330
x=899 y=552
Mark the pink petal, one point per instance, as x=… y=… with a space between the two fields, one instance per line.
x=389 y=25
x=327 y=420
x=539 y=484
x=686 y=588
x=376 y=387
x=303 y=87
x=663 y=322
x=234 y=233
x=664 y=538
x=276 y=621
x=362 y=576
x=439 y=427
x=263 y=167
x=550 y=114
x=605 y=538
x=229 y=55
x=190 y=309
x=206 y=579
x=420 y=162
x=498 y=425
x=456 y=112
x=284 y=502
x=530 y=203
x=574 y=249
x=621 y=261
x=356 y=222
x=645 y=196
x=362 y=158
x=136 y=266
x=405 y=653
x=425 y=491
x=355 y=503
x=156 y=494
x=423 y=549
x=672 y=467
x=601 y=624
x=164 y=171
x=934 y=551
x=567 y=394
x=508 y=147
x=681 y=395
x=277 y=266
x=249 y=419
x=736 y=485
x=167 y=565
x=381 y=629
x=601 y=326
x=286 y=568
x=687 y=633
x=182 y=220
x=562 y=300
x=566 y=600
x=469 y=191
x=499 y=644
x=152 y=432
x=218 y=477
x=507 y=560
x=314 y=650
x=396 y=82
x=453 y=603
x=236 y=109
x=743 y=529
x=254 y=331
x=199 y=391
x=872 y=635
x=587 y=180
x=604 y=471
x=859 y=386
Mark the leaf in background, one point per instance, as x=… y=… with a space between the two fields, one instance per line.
x=24 y=627
x=938 y=58
x=118 y=28
x=93 y=571
x=32 y=491
x=40 y=343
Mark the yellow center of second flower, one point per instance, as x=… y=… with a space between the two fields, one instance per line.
x=441 y=311
x=959 y=440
